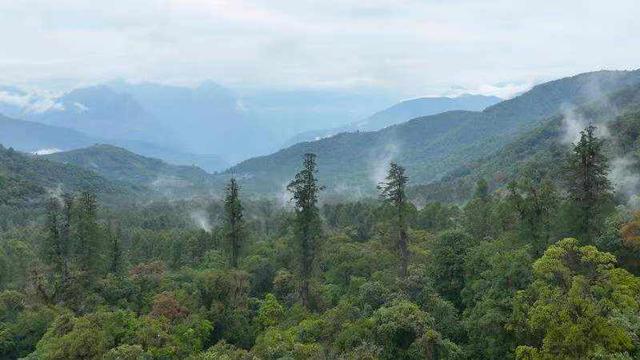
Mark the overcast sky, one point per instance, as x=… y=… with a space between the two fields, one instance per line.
x=408 y=47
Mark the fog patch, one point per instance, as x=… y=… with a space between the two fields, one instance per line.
x=201 y=219
x=284 y=198
x=348 y=191
x=47 y=151
x=56 y=194
x=169 y=182
x=379 y=166
x=624 y=178
x=573 y=123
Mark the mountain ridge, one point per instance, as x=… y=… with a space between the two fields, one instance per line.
x=428 y=146
x=402 y=112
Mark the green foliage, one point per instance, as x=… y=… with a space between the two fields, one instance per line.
x=494 y=272
x=393 y=191
x=406 y=332
x=537 y=207
x=486 y=280
x=304 y=188
x=447 y=263
x=579 y=306
x=270 y=312
x=234 y=222
x=588 y=186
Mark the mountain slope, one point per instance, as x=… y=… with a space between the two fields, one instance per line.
x=206 y=119
x=404 y=111
x=117 y=164
x=26 y=180
x=411 y=109
x=429 y=147
x=539 y=153
x=101 y=112
x=29 y=136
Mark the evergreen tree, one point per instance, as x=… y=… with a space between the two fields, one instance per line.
x=536 y=207
x=393 y=192
x=479 y=215
x=87 y=233
x=234 y=232
x=588 y=186
x=56 y=246
x=304 y=188
x=115 y=253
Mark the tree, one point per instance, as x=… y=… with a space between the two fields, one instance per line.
x=447 y=264
x=580 y=306
x=478 y=213
x=393 y=192
x=494 y=272
x=115 y=251
x=536 y=206
x=57 y=243
x=234 y=226
x=588 y=186
x=87 y=233
x=304 y=188
x=406 y=332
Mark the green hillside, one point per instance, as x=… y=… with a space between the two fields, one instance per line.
x=24 y=178
x=117 y=164
x=536 y=152
x=429 y=147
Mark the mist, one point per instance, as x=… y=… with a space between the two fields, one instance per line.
x=201 y=219
x=379 y=166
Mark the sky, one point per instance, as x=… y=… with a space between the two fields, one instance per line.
x=413 y=48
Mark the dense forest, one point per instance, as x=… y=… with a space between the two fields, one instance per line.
x=545 y=267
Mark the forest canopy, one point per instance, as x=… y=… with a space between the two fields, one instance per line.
x=542 y=269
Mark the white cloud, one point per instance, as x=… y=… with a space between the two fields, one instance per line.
x=14 y=99
x=31 y=102
x=409 y=46
x=47 y=151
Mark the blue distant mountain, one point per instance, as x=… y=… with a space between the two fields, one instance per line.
x=401 y=112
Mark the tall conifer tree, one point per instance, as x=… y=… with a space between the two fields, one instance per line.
x=304 y=188
x=234 y=232
x=87 y=233
x=393 y=192
x=588 y=186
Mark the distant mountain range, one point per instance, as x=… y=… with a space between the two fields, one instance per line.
x=444 y=154
x=205 y=119
x=34 y=137
x=210 y=125
x=401 y=112
x=431 y=146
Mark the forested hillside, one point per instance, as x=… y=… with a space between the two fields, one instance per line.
x=530 y=252
x=26 y=182
x=120 y=165
x=403 y=111
x=536 y=152
x=546 y=269
x=430 y=146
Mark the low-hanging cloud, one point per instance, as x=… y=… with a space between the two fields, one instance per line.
x=201 y=219
x=624 y=178
x=379 y=165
